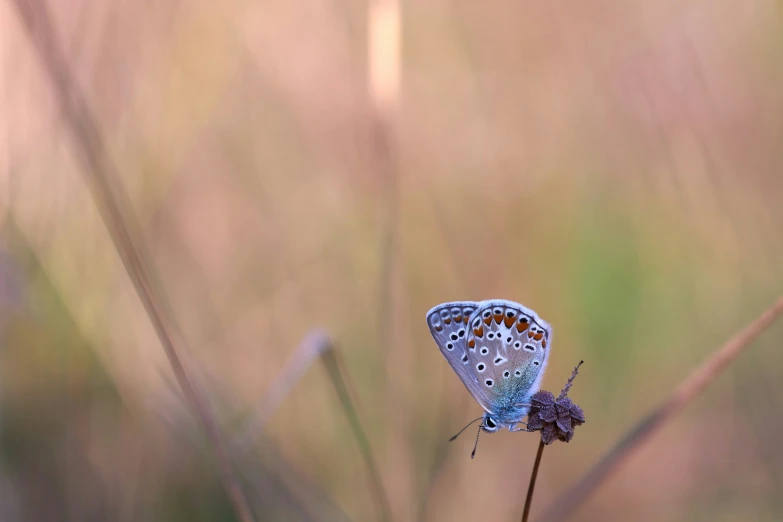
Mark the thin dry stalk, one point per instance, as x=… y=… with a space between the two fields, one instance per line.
x=114 y=207
x=563 y=506
x=532 y=485
x=312 y=347
x=331 y=359
x=317 y=344
x=384 y=77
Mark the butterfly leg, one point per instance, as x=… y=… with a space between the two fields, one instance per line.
x=513 y=428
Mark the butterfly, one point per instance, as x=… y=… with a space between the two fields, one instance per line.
x=499 y=350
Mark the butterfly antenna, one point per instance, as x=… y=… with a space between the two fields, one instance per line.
x=476 y=444
x=463 y=429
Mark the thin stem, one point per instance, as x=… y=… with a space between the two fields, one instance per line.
x=312 y=347
x=570 y=382
x=331 y=360
x=632 y=441
x=316 y=344
x=115 y=210
x=532 y=485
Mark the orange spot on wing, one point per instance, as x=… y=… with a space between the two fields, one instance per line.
x=438 y=328
x=472 y=343
x=521 y=327
x=530 y=334
x=458 y=319
x=498 y=318
x=544 y=343
x=479 y=332
x=508 y=321
x=538 y=336
x=447 y=321
x=488 y=320
x=465 y=319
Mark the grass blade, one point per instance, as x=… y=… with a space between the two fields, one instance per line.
x=562 y=507
x=331 y=360
x=114 y=207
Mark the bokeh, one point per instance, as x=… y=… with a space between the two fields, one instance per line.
x=615 y=166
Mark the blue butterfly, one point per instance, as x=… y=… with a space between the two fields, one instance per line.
x=499 y=350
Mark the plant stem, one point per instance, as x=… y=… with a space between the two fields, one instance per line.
x=699 y=378
x=115 y=209
x=312 y=347
x=532 y=485
x=331 y=359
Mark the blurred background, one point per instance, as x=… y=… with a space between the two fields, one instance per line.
x=615 y=166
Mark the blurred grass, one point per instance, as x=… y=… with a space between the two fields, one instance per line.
x=615 y=168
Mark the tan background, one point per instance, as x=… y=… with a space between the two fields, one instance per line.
x=614 y=165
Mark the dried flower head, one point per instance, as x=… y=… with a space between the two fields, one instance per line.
x=555 y=418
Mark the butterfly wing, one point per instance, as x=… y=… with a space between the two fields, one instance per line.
x=448 y=323
x=507 y=347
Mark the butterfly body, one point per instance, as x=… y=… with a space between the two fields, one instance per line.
x=512 y=406
x=498 y=349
